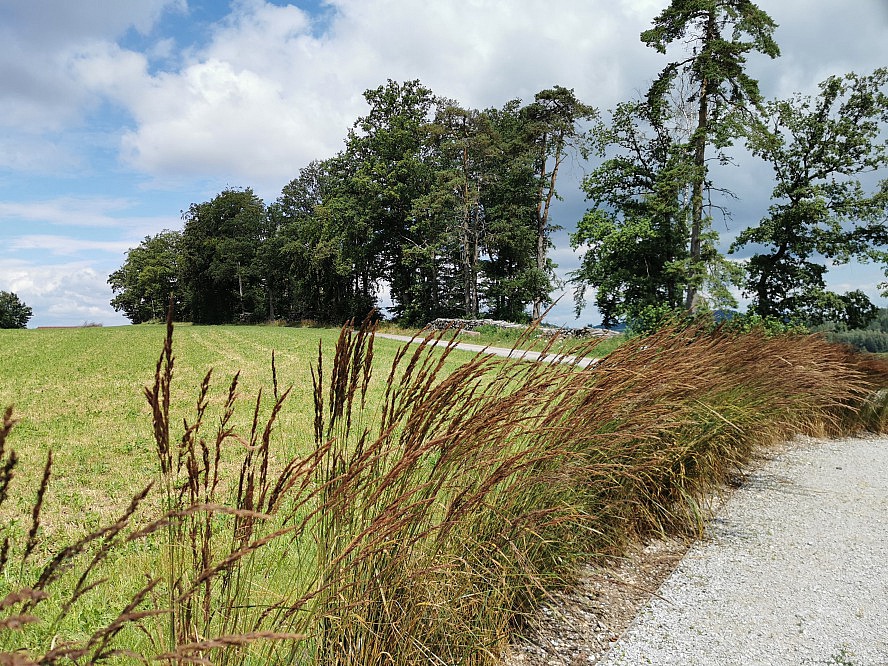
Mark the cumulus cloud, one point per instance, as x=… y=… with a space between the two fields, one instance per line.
x=268 y=94
x=38 y=41
x=66 y=245
x=67 y=294
x=267 y=91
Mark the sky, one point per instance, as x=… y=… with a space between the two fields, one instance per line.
x=117 y=115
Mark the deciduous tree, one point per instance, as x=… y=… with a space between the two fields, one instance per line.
x=221 y=276
x=388 y=170
x=635 y=236
x=149 y=275
x=13 y=311
x=819 y=149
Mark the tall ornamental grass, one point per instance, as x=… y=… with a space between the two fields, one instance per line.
x=421 y=528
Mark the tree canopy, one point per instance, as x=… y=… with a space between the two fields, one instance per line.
x=14 y=313
x=450 y=211
x=818 y=149
x=449 y=208
x=150 y=274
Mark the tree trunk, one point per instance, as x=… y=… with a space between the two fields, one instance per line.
x=545 y=202
x=700 y=137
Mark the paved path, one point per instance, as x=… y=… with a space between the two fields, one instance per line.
x=518 y=354
x=794 y=570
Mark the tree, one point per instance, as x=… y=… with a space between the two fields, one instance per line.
x=450 y=217
x=552 y=124
x=327 y=270
x=510 y=279
x=818 y=149
x=387 y=170
x=222 y=277
x=150 y=274
x=13 y=312
x=723 y=92
x=635 y=236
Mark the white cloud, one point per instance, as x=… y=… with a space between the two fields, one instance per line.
x=26 y=152
x=39 y=39
x=51 y=21
x=62 y=294
x=68 y=211
x=267 y=94
x=66 y=245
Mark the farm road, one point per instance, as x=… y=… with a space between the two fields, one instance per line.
x=793 y=570
x=500 y=351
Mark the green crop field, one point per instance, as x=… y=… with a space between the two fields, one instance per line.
x=80 y=392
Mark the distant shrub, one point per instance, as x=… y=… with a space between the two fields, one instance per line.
x=746 y=323
x=652 y=318
x=871 y=341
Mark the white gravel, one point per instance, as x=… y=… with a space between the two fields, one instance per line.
x=794 y=569
x=522 y=355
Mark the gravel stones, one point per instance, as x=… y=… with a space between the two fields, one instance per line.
x=793 y=570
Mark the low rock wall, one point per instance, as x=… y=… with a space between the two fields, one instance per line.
x=543 y=331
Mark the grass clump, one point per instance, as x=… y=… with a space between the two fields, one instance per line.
x=427 y=518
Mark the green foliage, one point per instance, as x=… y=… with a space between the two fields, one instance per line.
x=321 y=259
x=875 y=342
x=151 y=273
x=636 y=234
x=880 y=321
x=552 y=131
x=818 y=148
x=387 y=172
x=770 y=326
x=222 y=277
x=652 y=318
x=449 y=208
x=13 y=312
x=713 y=78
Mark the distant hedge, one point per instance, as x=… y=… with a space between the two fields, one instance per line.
x=871 y=341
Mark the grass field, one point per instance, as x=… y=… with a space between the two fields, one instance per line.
x=80 y=393
x=408 y=510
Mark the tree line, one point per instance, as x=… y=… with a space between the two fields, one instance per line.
x=451 y=207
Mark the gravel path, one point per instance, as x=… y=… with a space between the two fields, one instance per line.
x=499 y=351
x=794 y=569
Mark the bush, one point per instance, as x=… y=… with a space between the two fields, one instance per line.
x=652 y=318
x=13 y=312
x=875 y=342
x=747 y=323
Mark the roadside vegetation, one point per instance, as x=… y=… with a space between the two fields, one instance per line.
x=380 y=505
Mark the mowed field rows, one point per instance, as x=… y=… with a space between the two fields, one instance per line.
x=80 y=392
